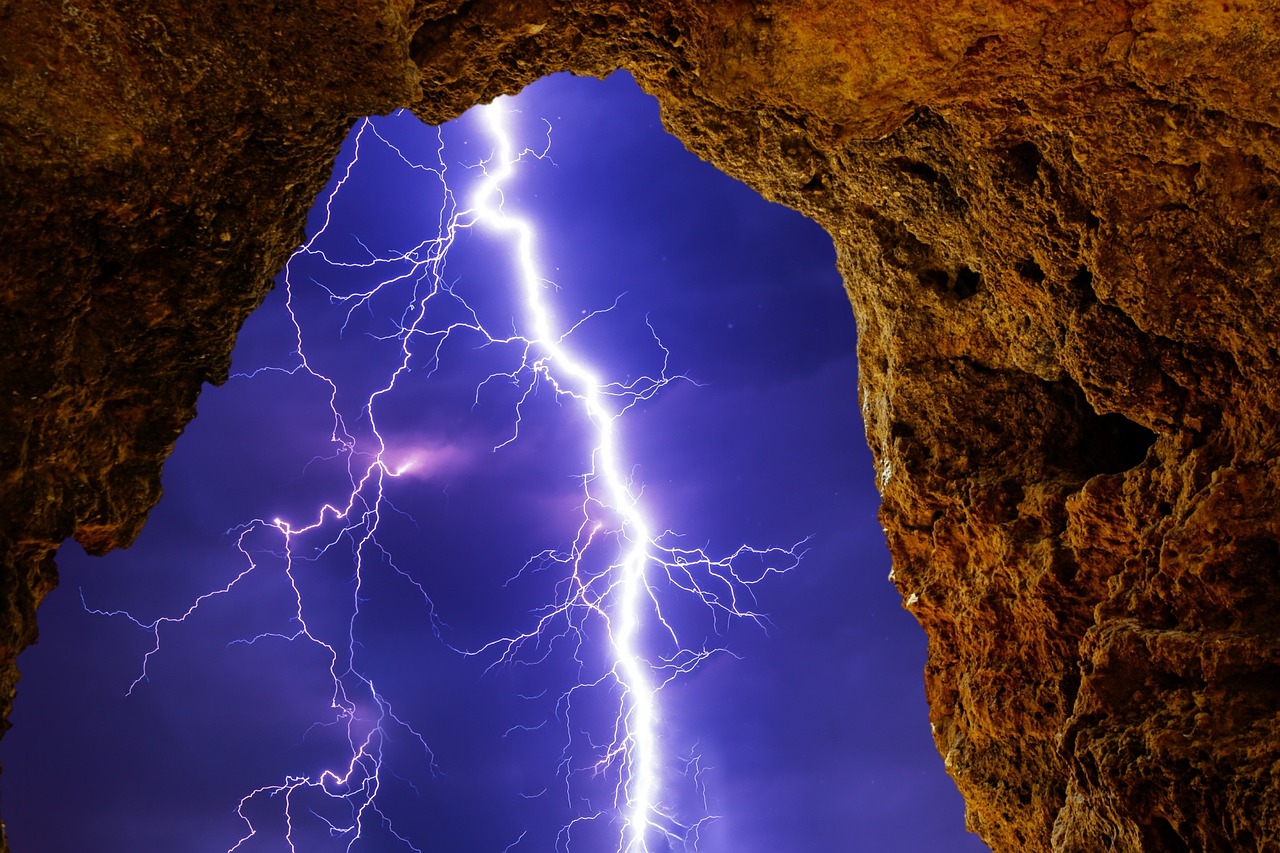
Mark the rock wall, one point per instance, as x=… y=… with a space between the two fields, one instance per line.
x=1058 y=223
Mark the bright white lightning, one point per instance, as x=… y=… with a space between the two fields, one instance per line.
x=627 y=597
x=570 y=376
x=620 y=605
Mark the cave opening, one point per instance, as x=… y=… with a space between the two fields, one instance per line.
x=813 y=732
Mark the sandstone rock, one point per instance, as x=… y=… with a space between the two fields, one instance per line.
x=1058 y=225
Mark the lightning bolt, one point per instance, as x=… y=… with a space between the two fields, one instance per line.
x=625 y=597
x=621 y=605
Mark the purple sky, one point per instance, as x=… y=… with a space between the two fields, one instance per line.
x=814 y=735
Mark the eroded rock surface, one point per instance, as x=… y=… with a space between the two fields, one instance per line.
x=1059 y=226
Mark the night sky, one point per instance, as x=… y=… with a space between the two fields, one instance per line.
x=812 y=733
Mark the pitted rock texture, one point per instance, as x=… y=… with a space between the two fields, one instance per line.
x=1058 y=224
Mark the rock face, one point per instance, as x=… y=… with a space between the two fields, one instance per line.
x=1059 y=225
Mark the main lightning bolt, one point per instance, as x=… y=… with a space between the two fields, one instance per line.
x=619 y=579
x=624 y=597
